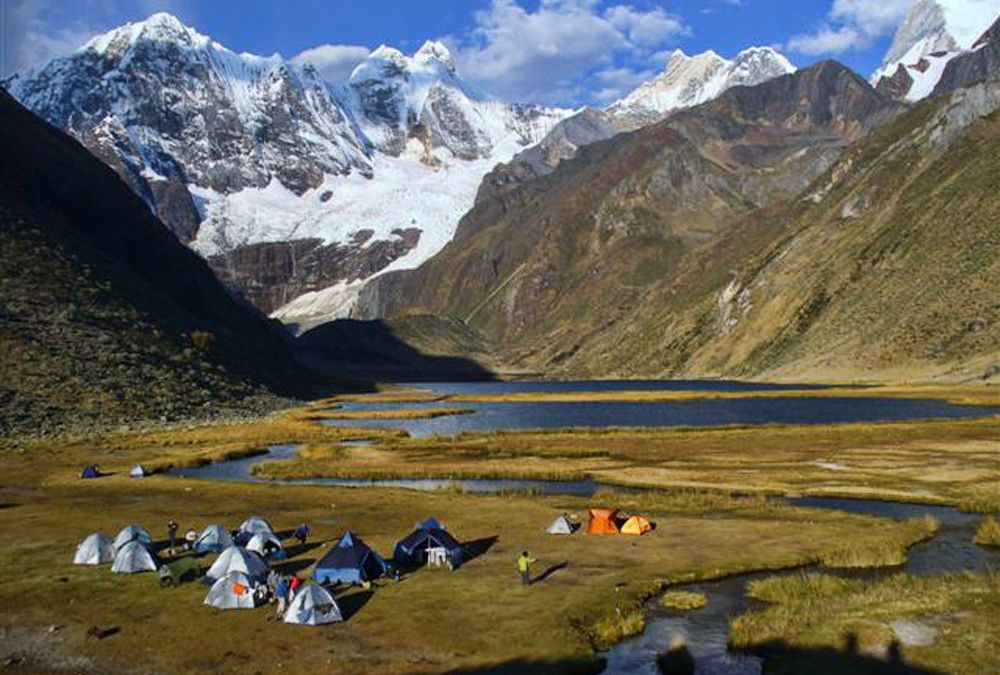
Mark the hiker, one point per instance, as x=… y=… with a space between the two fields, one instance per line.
x=281 y=593
x=189 y=539
x=172 y=533
x=524 y=564
x=301 y=533
x=293 y=586
x=272 y=583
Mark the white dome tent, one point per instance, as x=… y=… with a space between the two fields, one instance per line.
x=255 y=524
x=264 y=543
x=213 y=538
x=132 y=533
x=138 y=471
x=233 y=591
x=312 y=606
x=236 y=559
x=95 y=549
x=134 y=557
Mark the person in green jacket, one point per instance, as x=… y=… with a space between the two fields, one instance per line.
x=524 y=564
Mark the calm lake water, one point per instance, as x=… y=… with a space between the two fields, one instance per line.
x=491 y=416
x=535 y=386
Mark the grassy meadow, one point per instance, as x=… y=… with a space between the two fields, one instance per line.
x=716 y=520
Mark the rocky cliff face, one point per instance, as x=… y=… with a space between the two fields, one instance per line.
x=575 y=247
x=934 y=33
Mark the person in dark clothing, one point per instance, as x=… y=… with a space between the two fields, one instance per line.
x=301 y=533
x=172 y=534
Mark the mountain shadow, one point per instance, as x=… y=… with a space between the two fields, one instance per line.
x=104 y=315
x=412 y=348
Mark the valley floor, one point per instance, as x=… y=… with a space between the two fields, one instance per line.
x=716 y=521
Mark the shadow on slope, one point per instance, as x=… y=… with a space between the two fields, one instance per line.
x=411 y=348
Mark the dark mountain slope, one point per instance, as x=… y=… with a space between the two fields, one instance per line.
x=104 y=312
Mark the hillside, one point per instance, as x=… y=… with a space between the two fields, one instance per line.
x=104 y=315
x=731 y=263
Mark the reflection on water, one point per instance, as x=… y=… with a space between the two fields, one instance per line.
x=490 y=416
x=535 y=386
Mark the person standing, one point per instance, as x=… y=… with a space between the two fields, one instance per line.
x=301 y=533
x=524 y=564
x=172 y=534
x=281 y=593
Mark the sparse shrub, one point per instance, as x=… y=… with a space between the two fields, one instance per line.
x=683 y=600
x=615 y=627
x=202 y=340
x=988 y=532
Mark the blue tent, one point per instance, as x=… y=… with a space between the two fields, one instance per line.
x=351 y=561
x=412 y=550
x=90 y=471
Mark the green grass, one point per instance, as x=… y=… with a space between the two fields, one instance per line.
x=683 y=600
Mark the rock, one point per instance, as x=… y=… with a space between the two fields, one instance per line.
x=913 y=633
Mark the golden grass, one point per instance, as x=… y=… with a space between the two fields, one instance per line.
x=890 y=552
x=813 y=612
x=988 y=532
x=683 y=600
x=595 y=599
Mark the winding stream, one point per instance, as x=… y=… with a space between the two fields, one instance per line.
x=704 y=631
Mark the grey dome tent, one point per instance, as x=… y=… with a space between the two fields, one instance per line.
x=95 y=549
x=412 y=550
x=267 y=544
x=138 y=471
x=312 y=606
x=351 y=561
x=214 y=538
x=132 y=533
x=560 y=525
x=236 y=559
x=255 y=524
x=233 y=591
x=134 y=557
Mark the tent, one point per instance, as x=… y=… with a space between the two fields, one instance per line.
x=138 y=471
x=636 y=525
x=213 y=538
x=90 y=471
x=134 y=557
x=431 y=523
x=267 y=544
x=255 y=524
x=560 y=525
x=236 y=559
x=313 y=605
x=95 y=549
x=351 y=561
x=412 y=550
x=233 y=591
x=132 y=533
x=603 y=521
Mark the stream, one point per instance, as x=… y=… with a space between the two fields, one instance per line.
x=704 y=631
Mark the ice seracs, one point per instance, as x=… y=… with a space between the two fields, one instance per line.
x=933 y=33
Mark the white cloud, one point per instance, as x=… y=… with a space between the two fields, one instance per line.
x=27 y=40
x=548 y=54
x=852 y=24
x=333 y=62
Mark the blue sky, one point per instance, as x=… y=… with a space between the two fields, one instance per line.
x=566 y=52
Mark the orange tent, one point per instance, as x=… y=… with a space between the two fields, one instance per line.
x=602 y=521
x=636 y=525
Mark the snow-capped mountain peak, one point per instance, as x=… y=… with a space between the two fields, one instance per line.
x=242 y=154
x=436 y=52
x=933 y=33
x=160 y=27
x=690 y=80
